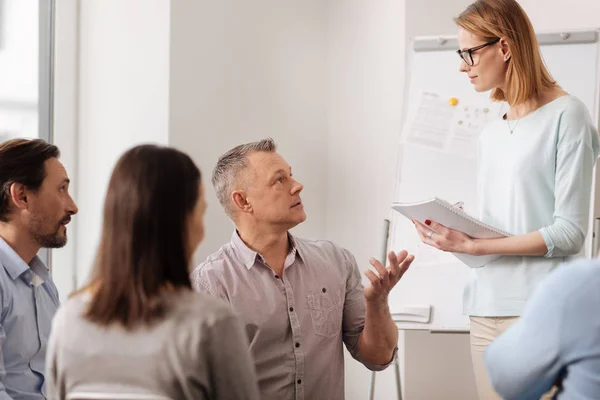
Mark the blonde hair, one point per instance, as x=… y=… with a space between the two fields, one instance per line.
x=527 y=74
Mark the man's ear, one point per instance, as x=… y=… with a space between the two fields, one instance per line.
x=18 y=195
x=240 y=201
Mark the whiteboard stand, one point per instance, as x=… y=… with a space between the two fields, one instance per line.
x=396 y=361
x=398 y=381
x=596 y=238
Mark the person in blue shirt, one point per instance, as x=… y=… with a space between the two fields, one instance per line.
x=535 y=169
x=557 y=339
x=35 y=207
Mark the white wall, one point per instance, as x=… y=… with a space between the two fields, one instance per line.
x=420 y=21
x=123 y=99
x=242 y=71
x=19 y=50
x=65 y=135
x=18 y=68
x=549 y=15
x=554 y=15
x=366 y=61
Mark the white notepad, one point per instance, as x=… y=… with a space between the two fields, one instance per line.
x=455 y=218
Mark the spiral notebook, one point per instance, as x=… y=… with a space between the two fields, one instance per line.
x=455 y=218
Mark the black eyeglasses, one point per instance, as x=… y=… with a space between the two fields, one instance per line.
x=467 y=55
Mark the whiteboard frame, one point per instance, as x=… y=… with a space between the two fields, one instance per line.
x=445 y=43
x=419 y=44
x=45 y=106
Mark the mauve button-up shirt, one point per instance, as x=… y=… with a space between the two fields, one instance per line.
x=295 y=325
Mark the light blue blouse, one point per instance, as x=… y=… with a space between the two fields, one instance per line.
x=537 y=178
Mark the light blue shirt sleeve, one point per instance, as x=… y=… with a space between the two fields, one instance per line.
x=525 y=361
x=528 y=352
x=576 y=153
x=3 y=394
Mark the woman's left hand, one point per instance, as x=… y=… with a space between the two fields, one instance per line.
x=445 y=239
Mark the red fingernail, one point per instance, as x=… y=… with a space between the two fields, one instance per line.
x=427 y=222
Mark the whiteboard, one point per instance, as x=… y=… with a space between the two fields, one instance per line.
x=436 y=278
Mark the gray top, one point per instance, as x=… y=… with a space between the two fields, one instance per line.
x=295 y=326
x=198 y=352
x=556 y=339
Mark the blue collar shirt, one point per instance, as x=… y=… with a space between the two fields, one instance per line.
x=28 y=302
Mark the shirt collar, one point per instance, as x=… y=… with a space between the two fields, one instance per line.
x=295 y=249
x=16 y=266
x=248 y=256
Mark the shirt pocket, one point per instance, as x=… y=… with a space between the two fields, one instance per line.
x=326 y=310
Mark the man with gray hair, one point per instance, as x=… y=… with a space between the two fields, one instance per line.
x=299 y=299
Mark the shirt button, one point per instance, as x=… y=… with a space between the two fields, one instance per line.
x=299 y=381
x=297 y=345
x=324 y=290
x=276 y=276
x=291 y=309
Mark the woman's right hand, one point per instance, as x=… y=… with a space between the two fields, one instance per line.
x=444 y=238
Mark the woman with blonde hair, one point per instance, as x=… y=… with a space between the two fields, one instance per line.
x=138 y=330
x=534 y=176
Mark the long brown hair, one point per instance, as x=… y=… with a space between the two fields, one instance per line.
x=142 y=250
x=526 y=76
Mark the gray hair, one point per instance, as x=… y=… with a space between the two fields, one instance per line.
x=229 y=165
